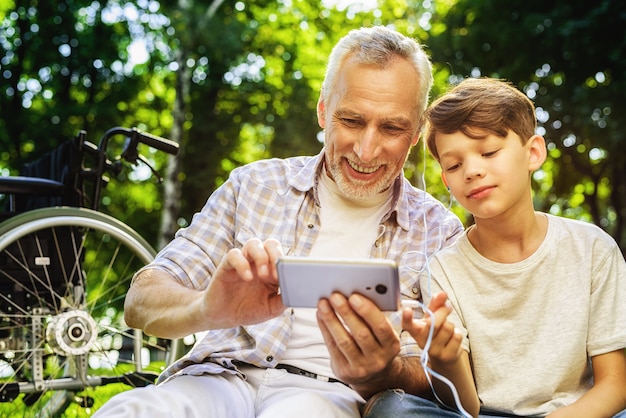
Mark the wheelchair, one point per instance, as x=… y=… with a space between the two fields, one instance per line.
x=65 y=267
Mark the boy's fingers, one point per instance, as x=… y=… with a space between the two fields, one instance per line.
x=418 y=328
x=438 y=301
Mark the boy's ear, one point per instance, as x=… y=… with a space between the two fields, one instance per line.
x=538 y=152
x=445 y=182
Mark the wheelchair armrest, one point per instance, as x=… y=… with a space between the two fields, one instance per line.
x=30 y=185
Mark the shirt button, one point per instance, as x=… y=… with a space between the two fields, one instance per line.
x=269 y=359
x=310 y=226
x=415 y=290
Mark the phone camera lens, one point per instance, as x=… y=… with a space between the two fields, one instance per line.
x=381 y=288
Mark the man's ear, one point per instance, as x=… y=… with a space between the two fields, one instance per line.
x=321 y=112
x=538 y=152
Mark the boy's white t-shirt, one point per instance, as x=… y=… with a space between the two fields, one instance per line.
x=348 y=229
x=532 y=326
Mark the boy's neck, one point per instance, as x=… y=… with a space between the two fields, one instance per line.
x=510 y=241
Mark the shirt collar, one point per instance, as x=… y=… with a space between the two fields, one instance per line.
x=308 y=178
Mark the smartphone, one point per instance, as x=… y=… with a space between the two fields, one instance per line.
x=304 y=280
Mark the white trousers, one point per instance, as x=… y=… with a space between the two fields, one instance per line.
x=265 y=393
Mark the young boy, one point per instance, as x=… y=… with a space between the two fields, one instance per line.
x=535 y=321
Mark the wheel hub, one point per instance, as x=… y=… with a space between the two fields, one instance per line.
x=72 y=332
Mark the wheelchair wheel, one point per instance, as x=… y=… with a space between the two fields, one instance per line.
x=64 y=273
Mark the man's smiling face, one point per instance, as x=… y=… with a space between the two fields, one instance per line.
x=370 y=123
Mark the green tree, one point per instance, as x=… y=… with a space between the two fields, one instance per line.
x=65 y=66
x=61 y=72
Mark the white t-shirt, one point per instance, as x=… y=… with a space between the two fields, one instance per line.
x=532 y=326
x=348 y=230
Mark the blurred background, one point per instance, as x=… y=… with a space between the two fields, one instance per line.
x=237 y=81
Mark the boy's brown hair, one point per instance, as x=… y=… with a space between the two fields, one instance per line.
x=478 y=107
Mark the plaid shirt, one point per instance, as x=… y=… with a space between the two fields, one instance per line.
x=277 y=198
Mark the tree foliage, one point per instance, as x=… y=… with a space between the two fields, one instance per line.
x=65 y=67
x=61 y=71
x=255 y=70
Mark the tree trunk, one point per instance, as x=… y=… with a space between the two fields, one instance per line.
x=172 y=187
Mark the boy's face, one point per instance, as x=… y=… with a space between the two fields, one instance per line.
x=370 y=123
x=490 y=176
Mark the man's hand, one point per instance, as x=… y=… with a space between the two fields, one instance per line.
x=244 y=288
x=360 y=339
x=242 y=291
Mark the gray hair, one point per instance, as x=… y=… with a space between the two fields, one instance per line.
x=380 y=45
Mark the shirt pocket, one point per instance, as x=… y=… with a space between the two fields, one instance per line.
x=245 y=234
x=412 y=264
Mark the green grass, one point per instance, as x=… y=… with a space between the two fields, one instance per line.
x=100 y=395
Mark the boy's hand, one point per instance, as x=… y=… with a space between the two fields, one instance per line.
x=445 y=346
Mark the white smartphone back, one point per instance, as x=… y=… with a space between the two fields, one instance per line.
x=304 y=280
